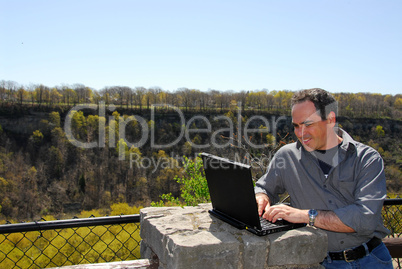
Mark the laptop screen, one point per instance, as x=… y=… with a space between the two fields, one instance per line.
x=231 y=189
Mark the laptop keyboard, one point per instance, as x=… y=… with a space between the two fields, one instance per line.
x=265 y=224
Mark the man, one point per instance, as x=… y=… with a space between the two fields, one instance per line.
x=335 y=184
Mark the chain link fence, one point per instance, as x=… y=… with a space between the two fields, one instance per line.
x=44 y=244
x=392 y=216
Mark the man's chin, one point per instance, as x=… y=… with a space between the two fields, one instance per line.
x=308 y=147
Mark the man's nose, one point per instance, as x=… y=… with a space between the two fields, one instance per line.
x=299 y=131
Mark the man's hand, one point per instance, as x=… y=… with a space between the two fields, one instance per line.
x=291 y=214
x=326 y=220
x=262 y=202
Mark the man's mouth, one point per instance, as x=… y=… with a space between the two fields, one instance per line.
x=305 y=140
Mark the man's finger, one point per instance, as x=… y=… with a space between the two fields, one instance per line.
x=261 y=206
x=262 y=202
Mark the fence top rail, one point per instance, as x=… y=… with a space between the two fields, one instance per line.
x=69 y=223
x=395 y=201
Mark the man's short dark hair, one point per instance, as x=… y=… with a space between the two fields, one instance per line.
x=323 y=101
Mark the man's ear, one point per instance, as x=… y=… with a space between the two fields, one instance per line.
x=331 y=118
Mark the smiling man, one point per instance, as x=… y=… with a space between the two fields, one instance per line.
x=335 y=183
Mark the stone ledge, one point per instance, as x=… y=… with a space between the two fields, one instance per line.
x=134 y=264
x=394 y=245
x=190 y=238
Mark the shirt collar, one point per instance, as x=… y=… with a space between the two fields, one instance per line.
x=348 y=144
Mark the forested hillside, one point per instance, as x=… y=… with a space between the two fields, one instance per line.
x=273 y=101
x=60 y=158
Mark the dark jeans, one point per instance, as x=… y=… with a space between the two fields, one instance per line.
x=377 y=259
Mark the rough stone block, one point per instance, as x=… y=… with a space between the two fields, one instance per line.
x=299 y=246
x=190 y=238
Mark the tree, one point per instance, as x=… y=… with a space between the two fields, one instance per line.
x=282 y=100
x=398 y=103
x=82 y=183
x=139 y=95
x=96 y=97
x=121 y=94
x=78 y=124
x=380 y=131
x=185 y=96
x=83 y=93
x=40 y=93
x=69 y=95
x=21 y=95
x=193 y=186
x=37 y=137
x=93 y=127
x=151 y=96
x=187 y=148
x=55 y=96
x=241 y=97
x=54 y=118
x=122 y=150
x=56 y=162
x=3 y=90
x=7 y=90
x=106 y=95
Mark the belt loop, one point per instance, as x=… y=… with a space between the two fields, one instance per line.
x=329 y=260
x=366 y=249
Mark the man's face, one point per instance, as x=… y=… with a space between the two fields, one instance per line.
x=309 y=128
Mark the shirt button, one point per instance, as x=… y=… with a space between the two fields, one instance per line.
x=330 y=201
x=325 y=186
x=342 y=242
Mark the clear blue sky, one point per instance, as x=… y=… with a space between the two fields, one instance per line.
x=337 y=45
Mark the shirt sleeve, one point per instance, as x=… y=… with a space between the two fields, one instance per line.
x=364 y=215
x=271 y=182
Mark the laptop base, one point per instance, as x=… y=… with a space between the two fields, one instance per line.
x=284 y=226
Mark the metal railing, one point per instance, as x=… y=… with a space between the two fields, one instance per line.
x=57 y=243
x=392 y=217
x=44 y=244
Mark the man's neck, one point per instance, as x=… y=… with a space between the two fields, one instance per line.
x=333 y=141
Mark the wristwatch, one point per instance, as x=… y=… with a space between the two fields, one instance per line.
x=312 y=214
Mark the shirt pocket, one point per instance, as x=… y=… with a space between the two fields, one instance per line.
x=345 y=188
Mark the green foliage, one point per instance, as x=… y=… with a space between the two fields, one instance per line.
x=123 y=209
x=194 y=187
x=151 y=125
x=398 y=103
x=270 y=139
x=37 y=137
x=187 y=148
x=122 y=149
x=380 y=131
x=78 y=124
x=54 y=118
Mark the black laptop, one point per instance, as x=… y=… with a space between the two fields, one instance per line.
x=233 y=199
